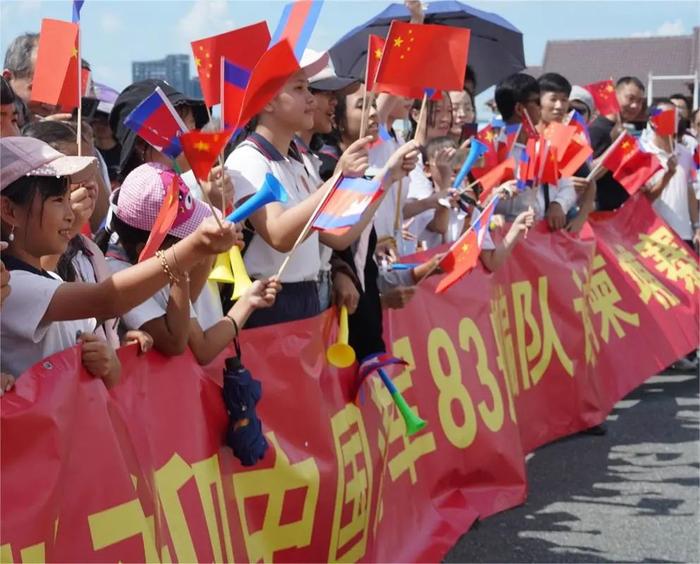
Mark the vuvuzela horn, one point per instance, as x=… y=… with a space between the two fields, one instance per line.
x=340 y=354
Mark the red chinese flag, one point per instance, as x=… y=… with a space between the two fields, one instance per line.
x=375 y=48
x=163 y=222
x=243 y=47
x=634 y=171
x=559 y=137
x=56 y=71
x=202 y=148
x=459 y=261
x=550 y=167
x=665 y=121
x=605 y=97
x=577 y=153
x=495 y=177
x=623 y=147
x=424 y=56
x=277 y=65
x=488 y=137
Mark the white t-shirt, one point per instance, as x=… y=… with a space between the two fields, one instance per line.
x=385 y=218
x=313 y=166
x=25 y=339
x=672 y=204
x=455 y=227
x=248 y=167
x=154 y=307
x=421 y=187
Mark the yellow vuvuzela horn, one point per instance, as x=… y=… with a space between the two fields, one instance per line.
x=340 y=354
x=240 y=275
x=222 y=271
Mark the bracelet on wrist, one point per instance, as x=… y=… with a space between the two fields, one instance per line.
x=235 y=325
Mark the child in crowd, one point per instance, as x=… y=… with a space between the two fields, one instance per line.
x=518 y=99
x=189 y=312
x=43 y=314
x=268 y=148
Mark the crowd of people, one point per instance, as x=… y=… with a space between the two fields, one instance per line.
x=74 y=220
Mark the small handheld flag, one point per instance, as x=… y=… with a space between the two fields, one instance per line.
x=424 y=56
x=463 y=256
x=345 y=204
x=156 y=122
x=375 y=48
x=164 y=220
x=56 y=73
x=636 y=170
x=242 y=47
x=77 y=5
x=605 y=97
x=297 y=24
x=235 y=82
x=665 y=121
x=202 y=148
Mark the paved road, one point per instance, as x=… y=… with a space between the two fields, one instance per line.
x=630 y=496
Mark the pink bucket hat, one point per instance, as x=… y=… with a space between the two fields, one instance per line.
x=141 y=196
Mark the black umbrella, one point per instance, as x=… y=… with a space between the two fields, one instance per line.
x=495 y=50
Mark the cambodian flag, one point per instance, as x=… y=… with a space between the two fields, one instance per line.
x=77 y=6
x=235 y=82
x=522 y=164
x=506 y=140
x=297 y=23
x=345 y=204
x=156 y=122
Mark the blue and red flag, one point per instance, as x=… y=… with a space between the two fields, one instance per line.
x=578 y=121
x=345 y=203
x=77 y=5
x=463 y=256
x=156 y=122
x=506 y=140
x=383 y=136
x=297 y=24
x=665 y=121
x=522 y=166
x=235 y=82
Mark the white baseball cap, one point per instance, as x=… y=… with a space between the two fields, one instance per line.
x=26 y=156
x=325 y=78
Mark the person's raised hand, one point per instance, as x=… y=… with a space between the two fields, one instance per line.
x=262 y=293
x=556 y=218
x=213 y=186
x=355 y=159
x=99 y=359
x=143 y=339
x=402 y=161
x=345 y=292
x=210 y=239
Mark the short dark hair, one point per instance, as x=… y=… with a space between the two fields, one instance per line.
x=7 y=95
x=470 y=76
x=680 y=97
x=434 y=145
x=554 y=82
x=514 y=89
x=625 y=80
x=18 y=57
x=661 y=102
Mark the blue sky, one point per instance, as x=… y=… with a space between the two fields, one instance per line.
x=116 y=32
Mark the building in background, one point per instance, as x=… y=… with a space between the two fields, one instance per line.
x=174 y=69
x=583 y=61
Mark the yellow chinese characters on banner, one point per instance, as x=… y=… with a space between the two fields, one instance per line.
x=600 y=298
x=671 y=259
x=353 y=501
x=534 y=354
x=274 y=483
x=649 y=285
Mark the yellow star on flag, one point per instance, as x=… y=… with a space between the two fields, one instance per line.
x=398 y=42
x=377 y=54
x=201 y=146
x=75 y=52
x=197 y=62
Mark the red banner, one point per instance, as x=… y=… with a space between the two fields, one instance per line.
x=498 y=365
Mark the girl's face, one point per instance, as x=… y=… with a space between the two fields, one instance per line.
x=324 y=114
x=353 y=117
x=440 y=118
x=294 y=107
x=462 y=111
x=42 y=227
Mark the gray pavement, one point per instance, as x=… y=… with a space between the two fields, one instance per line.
x=629 y=496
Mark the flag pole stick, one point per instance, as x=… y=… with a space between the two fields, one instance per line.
x=363 y=122
x=305 y=230
x=420 y=126
x=397 y=216
x=79 y=129
x=221 y=154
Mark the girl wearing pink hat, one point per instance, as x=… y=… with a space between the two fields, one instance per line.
x=43 y=314
x=188 y=312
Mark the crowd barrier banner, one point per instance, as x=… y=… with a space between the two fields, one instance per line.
x=498 y=365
